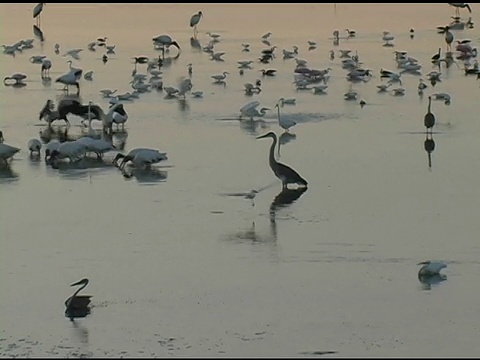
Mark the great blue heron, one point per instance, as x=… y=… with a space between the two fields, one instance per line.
x=430 y=268
x=70 y=79
x=37 y=10
x=429 y=119
x=194 y=20
x=285 y=173
x=78 y=305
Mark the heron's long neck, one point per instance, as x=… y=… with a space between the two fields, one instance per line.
x=271 y=158
x=429 y=103
x=75 y=293
x=278 y=112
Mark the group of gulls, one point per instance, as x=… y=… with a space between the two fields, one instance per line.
x=305 y=78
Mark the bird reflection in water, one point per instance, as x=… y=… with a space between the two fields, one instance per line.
x=80 y=331
x=251 y=127
x=429 y=281
x=285 y=198
x=59 y=133
x=195 y=44
x=38 y=33
x=283 y=139
x=7 y=174
x=145 y=176
x=429 y=145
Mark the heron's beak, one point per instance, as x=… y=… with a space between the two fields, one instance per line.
x=262 y=136
x=76 y=283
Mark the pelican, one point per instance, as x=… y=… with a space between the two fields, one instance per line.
x=18 y=77
x=194 y=20
x=430 y=268
x=77 y=305
x=46 y=65
x=37 y=11
x=284 y=123
x=140 y=157
x=429 y=119
x=165 y=41
x=34 y=146
x=285 y=173
x=72 y=150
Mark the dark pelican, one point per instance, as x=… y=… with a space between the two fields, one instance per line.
x=429 y=119
x=77 y=305
x=194 y=20
x=285 y=173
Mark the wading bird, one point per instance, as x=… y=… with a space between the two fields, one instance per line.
x=140 y=157
x=37 y=10
x=194 y=20
x=165 y=41
x=6 y=151
x=429 y=119
x=78 y=305
x=34 y=146
x=285 y=173
x=430 y=268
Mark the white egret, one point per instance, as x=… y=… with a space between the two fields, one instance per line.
x=285 y=123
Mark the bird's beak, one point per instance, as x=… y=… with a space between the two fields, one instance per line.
x=262 y=136
x=76 y=283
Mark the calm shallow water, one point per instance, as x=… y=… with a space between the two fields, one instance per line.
x=177 y=269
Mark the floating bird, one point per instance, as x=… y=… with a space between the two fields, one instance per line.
x=350 y=33
x=421 y=86
x=436 y=57
x=285 y=173
x=215 y=37
x=18 y=77
x=37 y=59
x=429 y=119
x=289 y=101
x=194 y=20
x=88 y=75
x=71 y=150
x=285 y=123
x=268 y=72
x=34 y=146
x=37 y=10
x=442 y=96
x=430 y=268
x=78 y=305
x=57 y=48
x=107 y=92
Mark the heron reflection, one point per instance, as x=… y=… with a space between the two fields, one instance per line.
x=145 y=176
x=285 y=198
x=38 y=33
x=283 y=139
x=429 y=145
x=195 y=44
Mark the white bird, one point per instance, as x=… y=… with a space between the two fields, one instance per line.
x=350 y=95
x=197 y=94
x=442 y=96
x=217 y=56
x=254 y=112
x=46 y=66
x=250 y=88
x=70 y=79
x=194 y=20
x=34 y=146
x=430 y=268
x=290 y=101
x=52 y=145
x=140 y=157
x=18 y=77
x=398 y=91
x=220 y=77
x=285 y=123
x=388 y=37
x=98 y=146
x=107 y=92
x=37 y=59
x=72 y=150
x=213 y=36
x=73 y=53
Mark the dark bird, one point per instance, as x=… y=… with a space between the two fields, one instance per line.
x=37 y=10
x=194 y=20
x=459 y=6
x=165 y=41
x=448 y=38
x=429 y=119
x=269 y=72
x=285 y=173
x=78 y=305
x=429 y=146
x=436 y=57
